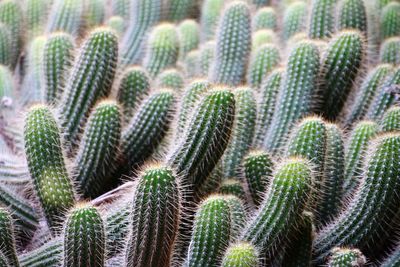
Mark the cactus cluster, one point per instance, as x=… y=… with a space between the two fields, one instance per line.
x=215 y=133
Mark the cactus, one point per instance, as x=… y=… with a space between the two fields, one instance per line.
x=120 y=8
x=344 y=257
x=47 y=164
x=338 y=72
x=98 y=149
x=7 y=241
x=155 y=218
x=238 y=215
x=191 y=63
x=36 y=17
x=95 y=12
x=90 y=79
x=266 y=104
x=189 y=38
x=84 y=238
x=257 y=170
x=206 y=57
x=390 y=20
x=241 y=254
x=242 y=131
x=5 y=45
x=282 y=206
x=366 y=93
x=369 y=213
x=356 y=150
x=170 y=78
x=296 y=98
x=322 y=21
x=211 y=232
x=210 y=13
x=232 y=187
x=232 y=47
x=179 y=9
x=390 y=120
x=262 y=61
x=262 y=37
x=295 y=19
x=48 y=255
x=352 y=15
x=163 y=49
x=57 y=59
x=66 y=16
x=265 y=18
x=389 y=51
x=116 y=23
x=393 y=259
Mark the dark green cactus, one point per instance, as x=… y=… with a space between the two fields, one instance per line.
x=48 y=255
x=345 y=257
x=390 y=51
x=66 y=16
x=84 y=238
x=47 y=164
x=322 y=21
x=352 y=15
x=155 y=217
x=295 y=19
x=7 y=241
x=177 y=10
x=265 y=18
x=170 y=78
x=232 y=49
x=390 y=120
x=189 y=37
x=90 y=79
x=390 y=20
x=241 y=254
x=233 y=187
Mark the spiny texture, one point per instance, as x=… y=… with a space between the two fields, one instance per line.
x=66 y=16
x=393 y=259
x=48 y=255
x=345 y=257
x=241 y=254
x=211 y=233
x=210 y=13
x=238 y=215
x=340 y=65
x=265 y=18
x=370 y=212
x=36 y=17
x=133 y=87
x=170 y=78
x=232 y=47
x=7 y=242
x=189 y=37
x=98 y=149
x=390 y=51
x=57 y=59
x=356 y=151
x=94 y=12
x=296 y=97
x=162 y=49
x=257 y=170
x=390 y=120
x=155 y=217
x=390 y=20
x=242 y=132
x=84 y=238
x=352 y=15
x=90 y=79
x=47 y=165
x=295 y=19
x=322 y=22
x=232 y=187
x=282 y=206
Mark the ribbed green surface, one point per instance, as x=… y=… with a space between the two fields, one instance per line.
x=265 y=18
x=206 y=57
x=66 y=16
x=390 y=20
x=295 y=19
x=5 y=45
x=179 y=9
x=48 y=255
x=210 y=13
x=322 y=22
x=36 y=14
x=390 y=120
x=238 y=214
x=94 y=12
x=170 y=78
x=345 y=257
x=241 y=254
x=189 y=36
x=352 y=15
x=7 y=242
x=232 y=187
x=390 y=51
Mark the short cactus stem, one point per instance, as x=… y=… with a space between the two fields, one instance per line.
x=7 y=241
x=170 y=78
x=390 y=20
x=206 y=57
x=189 y=37
x=66 y=16
x=265 y=18
x=352 y=15
x=241 y=254
x=390 y=121
x=322 y=22
x=210 y=14
x=295 y=19
x=232 y=187
x=346 y=257
x=390 y=51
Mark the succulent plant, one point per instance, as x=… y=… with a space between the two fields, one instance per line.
x=295 y=19
x=345 y=257
x=322 y=19
x=241 y=254
x=265 y=18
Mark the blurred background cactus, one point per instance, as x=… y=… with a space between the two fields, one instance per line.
x=215 y=133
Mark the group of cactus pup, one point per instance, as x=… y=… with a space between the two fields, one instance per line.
x=213 y=133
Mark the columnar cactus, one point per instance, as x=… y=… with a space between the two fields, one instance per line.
x=189 y=37
x=262 y=37
x=206 y=57
x=177 y=10
x=322 y=21
x=36 y=17
x=345 y=257
x=241 y=254
x=232 y=187
x=210 y=13
x=120 y=8
x=49 y=254
x=352 y=15
x=232 y=47
x=66 y=16
x=47 y=164
x=170 y=78
x=94 y=12
x=389 y=51
x=155 y=217
x=295 y=19
x=390 y=120
x=265 y=18
x=7 y=241
x=390 y=20
x=5 y=45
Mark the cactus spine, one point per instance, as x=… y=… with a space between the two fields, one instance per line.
x=390 y=120
x=352 y=15
x=7 y=242
x=241 y=254
x=265 y=18
x=344 y=257
x=322 y=22
x=66 y=16
x=294 y=20
x=48 y=255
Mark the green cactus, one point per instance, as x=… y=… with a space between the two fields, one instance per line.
x=5 y=45
x=210 y=14
x=155 y=217
x=266 y=104
x=352 y=15
x=47 y=164
x=11 y=16
x=366 y=92
x=48 y=255
x=232 y=47
x=206 y=57
x=66 y=16
x=345 y=257
x=257 y=170
x=90 y=79
x=94 y=12
x=84 y=238
x=36 y=17
x=389 y=51
x=57 y=59
x=262 y=61
x=262 y=37
x=282 y=206
x=205 y=138
x=177 y=10
x=390 y=20
x=133 y=86
x=370 y=212
x=116 y=23
x=211 y=232
x=356 y=150
x=98 y=149
x=189 y=37
x=121 y=8
x=147 y=128
x=238 y=215
x=296 y=98
x=241 y=254
x=390 y=120
x=295 y=19
x=162 y=49
x=338 y=72
x=242 y=131
x=191 y=63
x=7 y=241
x=170 y=78
x=322 y=21
x=232 y=187
x=393 y=259
x=265 y=18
